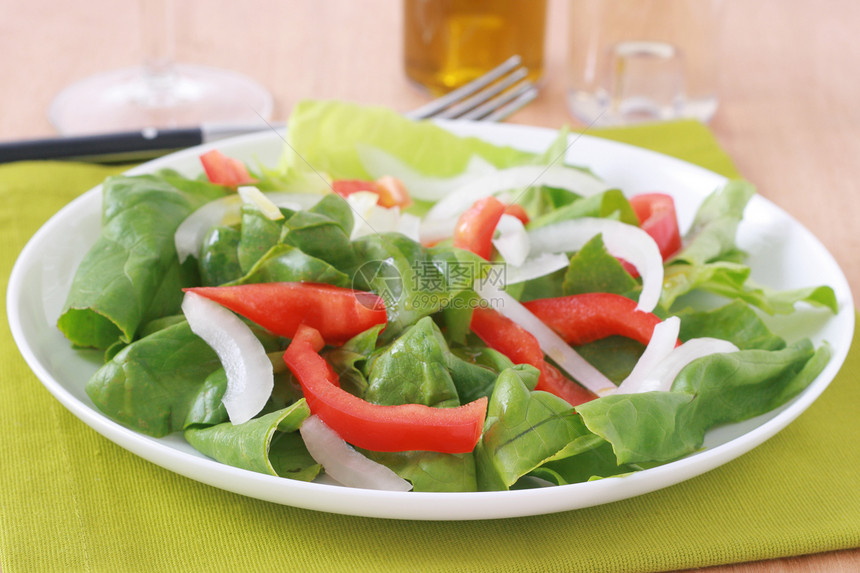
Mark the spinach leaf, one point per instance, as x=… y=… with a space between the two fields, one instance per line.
x=593 y=269
x=712 y=235
x=348 y=360
x=153 y=384
x=736 y=322
x=525 y=429
x=594 y=463
x=258 y=235
x=430 y=471
x=401 y=272
x=285 y=263
x=611 y=204
x=474 y=371
x=150 y=385
x=412 y=370
x=121 y=276
x=219 y=256
x=718 y=389
x=323 y=232
x=270 y=444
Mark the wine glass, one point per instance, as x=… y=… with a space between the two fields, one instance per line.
x=160 y=93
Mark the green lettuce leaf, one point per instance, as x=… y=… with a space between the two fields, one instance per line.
x=131 y=274
x=611 y=204
x=152 y=384
x=717 y=389
x=219 y=256
x=412 y=370
x=525 y=429
x=325 y=134
x=736 y=322
x=270 y=444
x=285 y=263
x=430 y=471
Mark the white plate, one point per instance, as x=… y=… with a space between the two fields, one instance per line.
x=783 y=254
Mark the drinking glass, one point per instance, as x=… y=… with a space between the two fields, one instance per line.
x=639 y=60
x=160 y=93
x=448 y=43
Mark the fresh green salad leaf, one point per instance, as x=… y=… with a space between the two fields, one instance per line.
x=716 y=389
x=325 y=134
x=524 y=429
x=270 y=444
x=131 y=274
x=413 y=370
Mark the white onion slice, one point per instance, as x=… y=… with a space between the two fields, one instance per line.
x=225 y=211
x=253 y=196
x=431 y=230
x=361 y=203
x=663 y=340
x=250 y=378
x=379 y=163
x=372 y=218
x=410 y=225
x=512 y=241
x=515 y=178
x=535 y=267
x=552 y=344
x=625 y=241
x=345 y=465
x=660 y=379
x=189 y=235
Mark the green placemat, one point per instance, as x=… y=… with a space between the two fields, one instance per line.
x=71 y=500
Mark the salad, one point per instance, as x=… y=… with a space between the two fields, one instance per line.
x=397 y=307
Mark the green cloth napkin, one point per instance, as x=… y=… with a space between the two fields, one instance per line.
x=71 y=500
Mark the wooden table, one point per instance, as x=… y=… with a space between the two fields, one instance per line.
x=789 y=113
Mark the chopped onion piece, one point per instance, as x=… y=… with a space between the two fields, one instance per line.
x=379 y=163
x=250 y=378
x=515 y=178
x=624 y=241
x=660 y=379
x=512 y=241
x=345 y=465
x=294 y=201
x=253 y=196
x=663 y=340
x=361 y=203
x=226 y=211
x=432 y=231
x=535 y=267
x=552 y=344
x=191 y=231
x=410 y=226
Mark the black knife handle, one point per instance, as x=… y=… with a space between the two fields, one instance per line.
x=103 y=148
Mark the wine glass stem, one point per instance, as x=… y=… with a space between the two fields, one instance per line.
x=159 y=65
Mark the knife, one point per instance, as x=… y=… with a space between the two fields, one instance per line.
x=125 y=146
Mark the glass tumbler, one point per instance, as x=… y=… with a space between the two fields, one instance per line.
x=642 y=60
x=448 y=43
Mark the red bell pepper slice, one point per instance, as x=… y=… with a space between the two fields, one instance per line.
x=583 y=318
x=657 y=217
x=337 y=313
x=517 y=211
x=376 y=427
x=223 y=170
x=475 y=227
x=506 y=336
x=391 y=191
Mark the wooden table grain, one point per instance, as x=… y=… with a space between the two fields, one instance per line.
x=789 y=110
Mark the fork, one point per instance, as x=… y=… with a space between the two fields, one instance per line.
x=491 y=97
